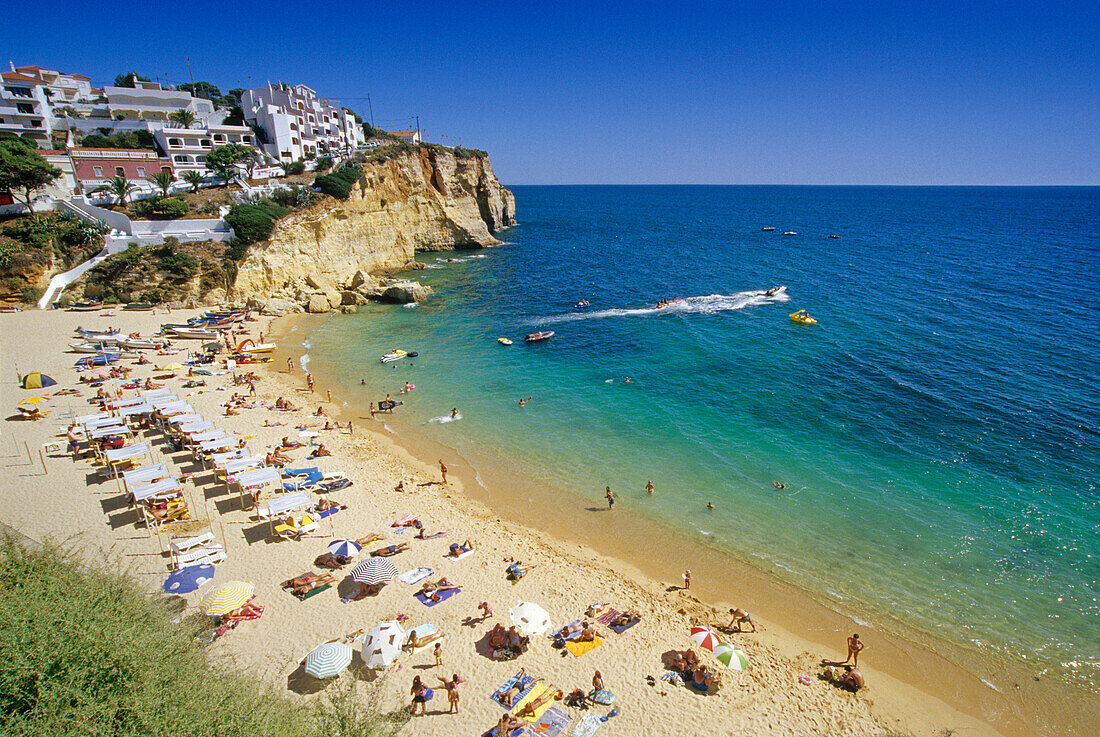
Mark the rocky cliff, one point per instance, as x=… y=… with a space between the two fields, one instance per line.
x=422 y=200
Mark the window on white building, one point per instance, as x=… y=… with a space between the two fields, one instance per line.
x=141 y=171
x=97 y=170
x=175 y=142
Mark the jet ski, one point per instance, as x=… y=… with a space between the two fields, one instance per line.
x=582 y=304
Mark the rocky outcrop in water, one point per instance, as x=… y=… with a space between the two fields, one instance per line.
x=333 y=253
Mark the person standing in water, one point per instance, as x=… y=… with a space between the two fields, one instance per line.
x=454 y=412
x=649 y=486
x=610 y=495
x=443 y=470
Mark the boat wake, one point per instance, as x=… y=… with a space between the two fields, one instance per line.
x=445 y=419
x=702 y=305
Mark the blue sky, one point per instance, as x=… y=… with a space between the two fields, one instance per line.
x=561 y=92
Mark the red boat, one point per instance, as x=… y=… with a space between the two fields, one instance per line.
x=541 y=335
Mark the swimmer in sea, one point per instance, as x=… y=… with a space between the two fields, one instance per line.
x=522 y=402
x=710 y=505
x=778 y=485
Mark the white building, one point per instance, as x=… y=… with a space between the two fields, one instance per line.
x=300 y=125
x=188 y=147
x=25 y=108
x=61 y=89
x=149 y=101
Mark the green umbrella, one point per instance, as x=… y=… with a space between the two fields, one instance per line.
x=731 y=657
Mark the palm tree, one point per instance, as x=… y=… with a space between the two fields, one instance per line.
x=164 y=179
x=183 y=118
x=195 y=178
x=118 y=187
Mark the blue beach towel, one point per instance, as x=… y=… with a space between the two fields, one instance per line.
x=443 y=596
x=526 y=684
x=621 y=628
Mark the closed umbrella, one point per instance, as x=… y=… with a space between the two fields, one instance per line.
x=530 y=619
x=731 y=657
x=383 y=645
x=188 y=579
x=346 y=548
x=225 y=598
x=374 y=571
x=705 y=637
x=37 y=380
x=328 y=659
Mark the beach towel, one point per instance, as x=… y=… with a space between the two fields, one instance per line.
x=405 y=521
x=443 y=596
x=514 y=733
x=537 y=691
x=608 y=616
x=571 y=635
x=580 y=648
x=526 y=684
x=587 y=726
x=415 y=576
x=552 y=723
x=329 y=512
x=460 y=556
x=621 y=628
x=434 y=535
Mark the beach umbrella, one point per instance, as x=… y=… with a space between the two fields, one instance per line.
x=225 y=598
x=346 y=548
x=32 y=400
x=37 y=380
x=731 y=657
x=170 y=367
x=99 y=373
x=188 y=578
x=530 y=619
x=374 y=571
x=383 y=645
x=328 y=659
x=705 y=637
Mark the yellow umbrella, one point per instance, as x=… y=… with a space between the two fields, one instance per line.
x=32 y=400
x=170 y=367
x=225 y=598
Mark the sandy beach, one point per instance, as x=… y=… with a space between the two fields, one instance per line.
x=46 y=494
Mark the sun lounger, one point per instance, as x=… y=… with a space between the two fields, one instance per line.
x=443 y=596
x=299 y=530
x=184 y=544
x=212 y=554
x=580 y=648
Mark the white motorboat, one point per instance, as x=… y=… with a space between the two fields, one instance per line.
x=143 y=344
x=396 y=355
x=248 y=346
x=196 y=333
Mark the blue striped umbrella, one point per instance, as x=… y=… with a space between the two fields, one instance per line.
x=346 y=548
x=328 y=659
x=188 y=579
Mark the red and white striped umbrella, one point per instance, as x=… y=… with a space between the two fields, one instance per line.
x=705 y=638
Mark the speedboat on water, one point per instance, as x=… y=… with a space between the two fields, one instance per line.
x=668 y=303
x=504 y=341
x=767 y=229
x=396 y=355
x=803 y=317
x=781 y=289
x=789 y=232
x=541 y=335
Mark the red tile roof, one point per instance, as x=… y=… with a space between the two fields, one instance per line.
x=32 y=67
x=79 y=76
x=14 y=77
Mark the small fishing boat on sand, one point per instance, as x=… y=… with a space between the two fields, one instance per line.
x=250 y=346
x=85 y=307
x=196 y=333
x=541 y=335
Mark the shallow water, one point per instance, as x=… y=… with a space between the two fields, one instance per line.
x=936 y=432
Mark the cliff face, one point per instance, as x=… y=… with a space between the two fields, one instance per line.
x=419 y=201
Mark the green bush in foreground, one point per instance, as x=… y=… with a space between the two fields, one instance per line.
x=88 y=653
x=253 y=222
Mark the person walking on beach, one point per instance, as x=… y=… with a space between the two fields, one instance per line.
x=289 y=366
x=372 y=410
x=687 y=580
x=649 y=486
x=443 y=470
x=486 y=610
x=610 y=495
x=309 y=382
x=328 y=393
x=452 y=690
x=855 y=647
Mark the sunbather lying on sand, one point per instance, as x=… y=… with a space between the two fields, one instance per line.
x=625 y=618
x=371 y=538
x=528 y=711
x=570 y=629
x=457 y=550
x=302 y=585
x=331 y=561
x=288 y=443
x=390 y=550
x=415 y=642
x=508 y=697
x=432 y=590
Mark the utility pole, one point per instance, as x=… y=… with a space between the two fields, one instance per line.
x=418 y=127
x=189 y=74
x=371 y=109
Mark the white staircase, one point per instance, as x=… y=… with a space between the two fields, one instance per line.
x=60 y=281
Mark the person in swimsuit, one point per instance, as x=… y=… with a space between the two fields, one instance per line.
x=452 y=690
x=457 y=550
x=420 y=696
x=739 y=616
x=610 y=495
x=649 y=486
x=390 y=550
x=855 y=647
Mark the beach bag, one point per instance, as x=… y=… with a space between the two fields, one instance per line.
x=427 y=694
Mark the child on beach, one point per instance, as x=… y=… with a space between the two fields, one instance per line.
x=437 y=651
x=486 y=610
x=610 y=498
x=687 y=580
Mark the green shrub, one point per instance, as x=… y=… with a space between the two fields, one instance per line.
x=339 y=183
x=294 y=196
x=252 y=223
x=294 y=167
x=323 y=163
x=128 y=139
x=87 y=652
x=180 y=265
x=161 y=208
x=31 y=294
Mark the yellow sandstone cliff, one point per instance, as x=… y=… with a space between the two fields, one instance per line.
x=422 y=200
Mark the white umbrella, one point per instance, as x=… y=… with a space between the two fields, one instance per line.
x=530 y=619
x=383 y=645
x=328 y=659
x=374 y=571
x=346 y=548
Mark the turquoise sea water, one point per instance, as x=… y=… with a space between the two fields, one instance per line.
x=938 y=431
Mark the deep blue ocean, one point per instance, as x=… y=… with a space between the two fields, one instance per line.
x=938 y=430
